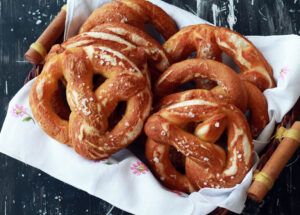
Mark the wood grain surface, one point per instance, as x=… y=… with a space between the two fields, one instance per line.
x=25 y=190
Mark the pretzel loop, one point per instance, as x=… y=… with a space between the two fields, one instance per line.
x=210 y=41
x=133 y=12
x=179 y=73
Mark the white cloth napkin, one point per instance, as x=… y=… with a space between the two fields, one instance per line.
x=123 y=180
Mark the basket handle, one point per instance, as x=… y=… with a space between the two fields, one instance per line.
x=264 y=179
x=38 y=50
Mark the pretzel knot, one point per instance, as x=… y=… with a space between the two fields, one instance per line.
x=86 y=129
x=206 y=163
x=133 y=12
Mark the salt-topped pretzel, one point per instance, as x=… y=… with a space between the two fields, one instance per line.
x=207 y=164
x=87 y=127
x=133 y=12
x=187 y=70
x=209 y=41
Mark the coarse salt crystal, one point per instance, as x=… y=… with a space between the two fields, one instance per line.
x=173 y=176
x=155 y=159
x=191 y=114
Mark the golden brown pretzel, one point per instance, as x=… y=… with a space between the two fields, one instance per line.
x=207 y=164
x=188 y=70
x=209 y=41
x=86 y=129
x=133 y=12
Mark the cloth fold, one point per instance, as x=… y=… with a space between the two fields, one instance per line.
x=123 y=180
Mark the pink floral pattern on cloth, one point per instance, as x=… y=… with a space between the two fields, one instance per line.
x=283 y=72
x=139 y=168
x=19 y=111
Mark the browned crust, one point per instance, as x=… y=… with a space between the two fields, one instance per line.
x=156 y=54
x=257 y=104
x=191 y=69
x=133 y=12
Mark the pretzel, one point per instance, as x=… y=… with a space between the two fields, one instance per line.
x=133 y=12
x=207 y=164
x=190 y=69
x=87 y=127
x=209 y=41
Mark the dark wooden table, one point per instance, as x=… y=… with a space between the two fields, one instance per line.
x=25 y=190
